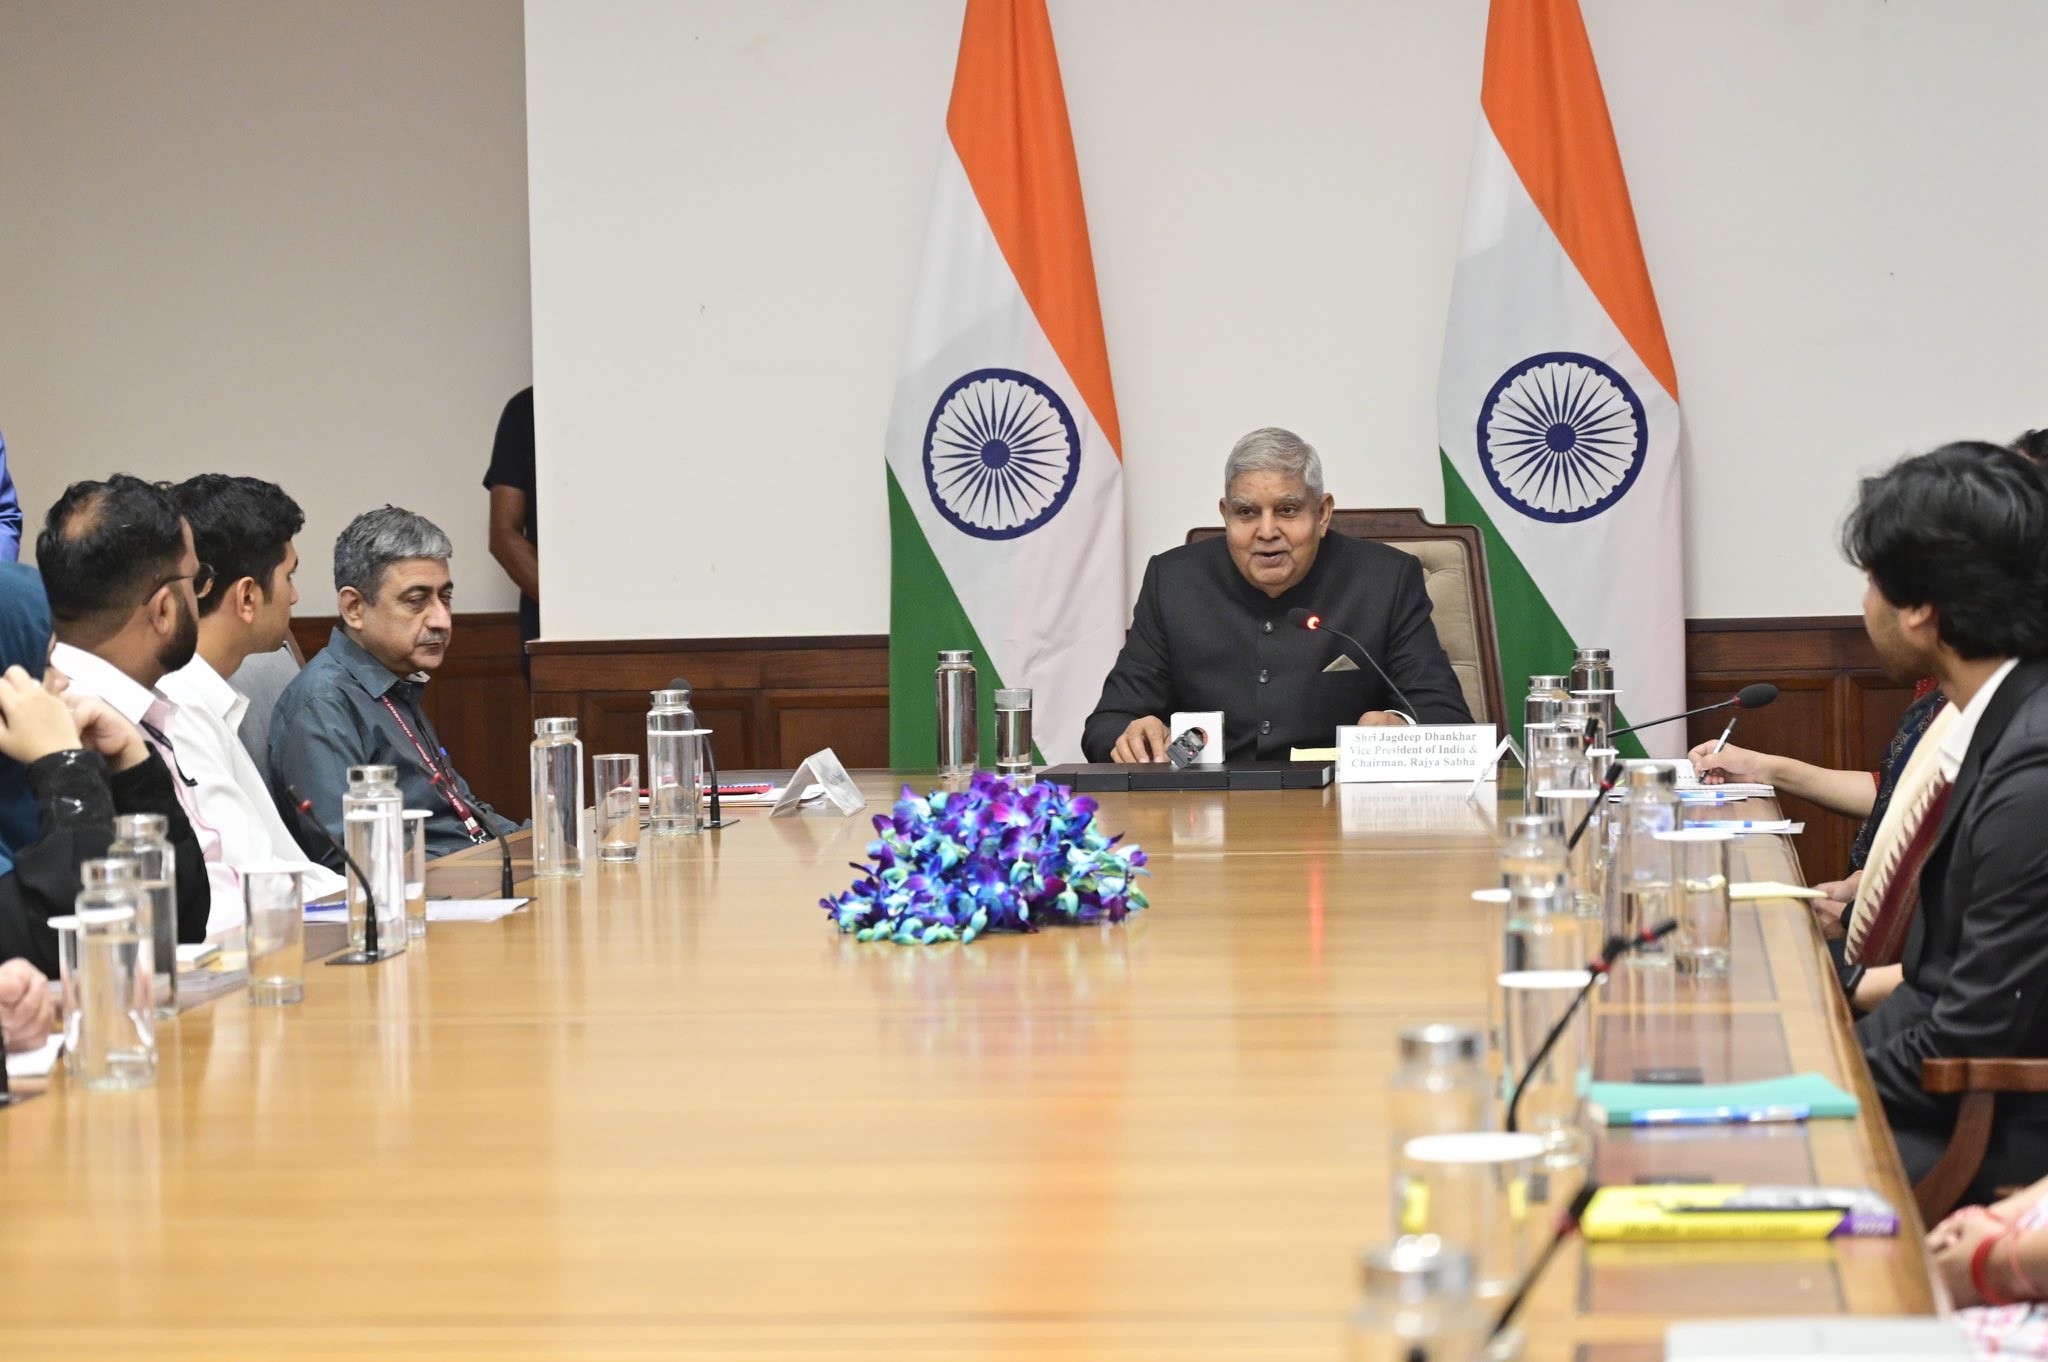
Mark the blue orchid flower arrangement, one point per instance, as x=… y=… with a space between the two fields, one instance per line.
x=994 y=857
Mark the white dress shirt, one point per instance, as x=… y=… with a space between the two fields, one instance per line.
x=154 y=713
x=1955 y=744
x=231 y=794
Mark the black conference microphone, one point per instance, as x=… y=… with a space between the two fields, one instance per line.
x=304 y=806
x=1567 y=1224
x=1311 y=621
x=1616 y=946
x=1749 y=697
x=504 y=861
x=1607 y=782
x=1187 y=747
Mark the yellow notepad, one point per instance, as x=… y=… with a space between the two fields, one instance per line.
x=1770 y=889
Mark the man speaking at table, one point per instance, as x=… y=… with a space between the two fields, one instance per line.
x=1211 y=628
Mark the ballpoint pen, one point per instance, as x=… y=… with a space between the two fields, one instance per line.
x=1733 y=719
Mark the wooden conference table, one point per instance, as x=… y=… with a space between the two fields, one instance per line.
x=669 y=1112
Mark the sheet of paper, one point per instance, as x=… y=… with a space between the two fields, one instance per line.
x=1770 y=889
x=35 y=1063
x=472 y=910
x=1312 y=754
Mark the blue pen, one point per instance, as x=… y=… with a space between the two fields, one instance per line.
x=1717 y=1116
x=1737 y=825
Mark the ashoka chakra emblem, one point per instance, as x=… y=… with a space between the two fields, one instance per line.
x=1001 y=454
x=1562 y=436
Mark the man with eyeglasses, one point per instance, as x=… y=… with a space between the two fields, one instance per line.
x=122 y=577
x=121 y=580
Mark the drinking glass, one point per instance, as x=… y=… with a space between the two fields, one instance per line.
x=116 y=1029
x=274 y=898
x=413 y=855
x=1013 y=732
x=1700 y=871
x=1553 y=1096
x=1479 y=1192
x=616 y=776
x=1582 y=861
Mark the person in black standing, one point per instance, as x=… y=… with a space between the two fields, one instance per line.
x=514 y=540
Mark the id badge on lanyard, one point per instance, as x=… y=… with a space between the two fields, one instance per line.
x=440 y=779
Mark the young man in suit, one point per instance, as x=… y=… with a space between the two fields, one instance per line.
x=1210 y=631
x=1955 y=547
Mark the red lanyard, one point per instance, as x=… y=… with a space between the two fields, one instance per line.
x=438 y=778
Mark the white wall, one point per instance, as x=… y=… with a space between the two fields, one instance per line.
x=1841 y=200
x=286 y=240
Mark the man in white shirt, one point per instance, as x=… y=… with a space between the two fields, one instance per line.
x=243 y=528
x=120 y=571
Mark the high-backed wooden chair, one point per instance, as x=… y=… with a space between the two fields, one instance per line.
x=1460 y=594
x=1977 y=1082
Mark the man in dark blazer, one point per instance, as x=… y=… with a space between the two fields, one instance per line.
x=1955 y=545
x=1211 y=632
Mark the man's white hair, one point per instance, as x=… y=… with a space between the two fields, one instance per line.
x=1270 y=449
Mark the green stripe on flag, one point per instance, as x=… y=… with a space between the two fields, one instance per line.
x=924 y=617
x=1533 y=640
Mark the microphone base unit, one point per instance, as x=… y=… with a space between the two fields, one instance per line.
x=362 y=957
x=1108 y=777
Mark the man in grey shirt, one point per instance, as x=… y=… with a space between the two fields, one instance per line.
x=358 y=702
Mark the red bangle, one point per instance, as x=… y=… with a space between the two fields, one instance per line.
x=1981 y=1279
x=2028 y=1291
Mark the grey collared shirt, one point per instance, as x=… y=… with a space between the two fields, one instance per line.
x=332 y=717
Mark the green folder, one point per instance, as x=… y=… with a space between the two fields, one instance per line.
x=1622 y=1104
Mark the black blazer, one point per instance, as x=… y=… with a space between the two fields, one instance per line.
x=1976 y=958
x=1202 y=637
x=76 y=800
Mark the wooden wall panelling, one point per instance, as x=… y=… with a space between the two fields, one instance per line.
x=1836 y=707
x=853 y=723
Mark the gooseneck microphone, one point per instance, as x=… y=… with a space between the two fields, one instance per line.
x=1567 y=1225
x=1749 y=697
x=504 y=860
x=1616 y=946
x=1607 y=783
x=716 y=818
x=1311 y=621
x=304 y=807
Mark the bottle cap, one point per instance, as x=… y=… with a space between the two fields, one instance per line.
x=554 y=727
x=1591 y=655
x=1549 y=682
x=956 y=655
x=1651 y=775
x=141 y=827
x=671 y=696
x=1416 y=1270
x=1440 y=1043
x=112 y=872
x=372 y=775
x=1535 y=825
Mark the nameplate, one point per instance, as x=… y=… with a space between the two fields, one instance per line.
x=1413 y=752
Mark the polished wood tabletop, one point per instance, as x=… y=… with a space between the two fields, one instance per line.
x=668 y=1111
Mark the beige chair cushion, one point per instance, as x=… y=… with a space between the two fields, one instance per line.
x=1448 y=578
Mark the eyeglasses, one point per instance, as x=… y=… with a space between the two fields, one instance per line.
x=202 y=580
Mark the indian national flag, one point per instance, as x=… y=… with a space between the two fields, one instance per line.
x=1006 y=508
x=1558 y=404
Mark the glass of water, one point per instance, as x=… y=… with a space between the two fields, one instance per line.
x=274 y=898
x=1482 y=1192
x=1699 y=859
x=615 y=777
x=1553 y=1096
x=116 y=1024
x=1013 y=732
x=413 y=856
